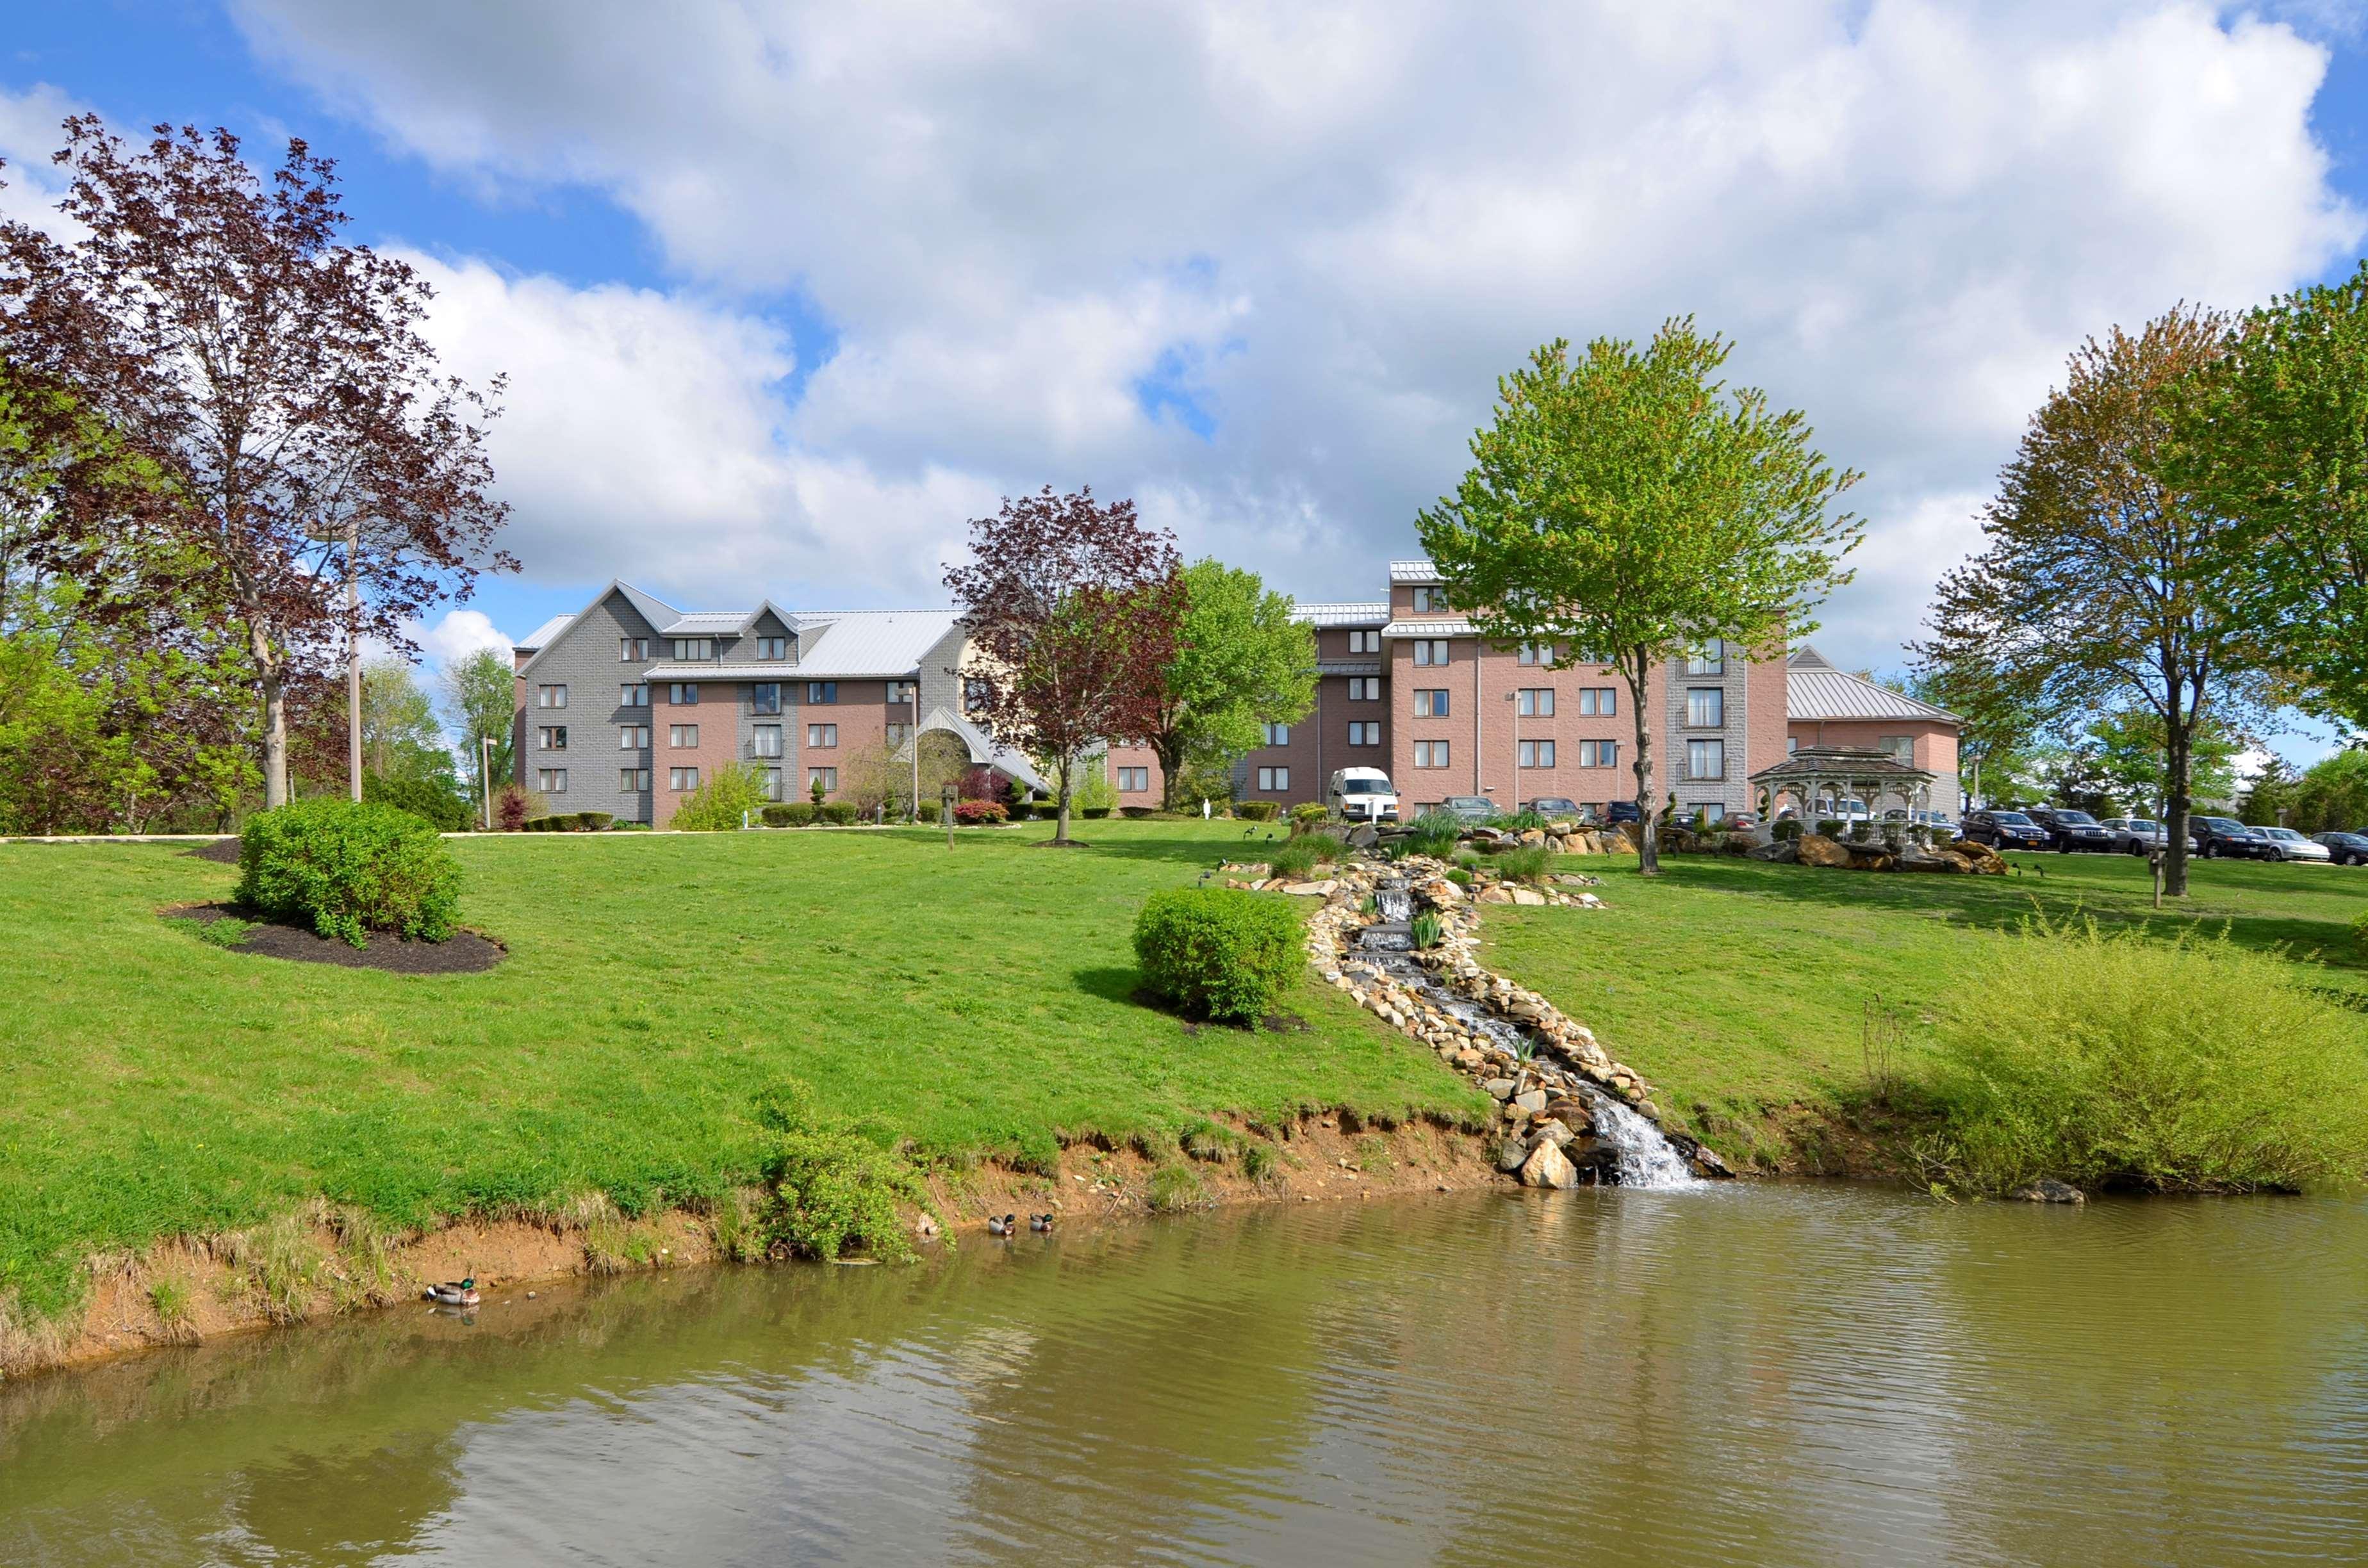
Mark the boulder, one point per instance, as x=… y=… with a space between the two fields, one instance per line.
x=1737 y=844
x=1783 y=853
x=1920 y=861
x=1531 y=1100
x=1553 y=1132
x=1533 y=836
x=1985 y=860
x=1364 y=836
x=2046 y=1190
x=1527 y=896
x=1512 y=1155
x=1548 y=1166
x=1498 y=1088
x=1817 y=849
x=1580 y=844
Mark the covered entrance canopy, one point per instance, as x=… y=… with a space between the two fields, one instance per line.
x=1816 y=774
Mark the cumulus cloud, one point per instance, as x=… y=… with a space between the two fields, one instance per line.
x=457 y=634
x=1261 y=267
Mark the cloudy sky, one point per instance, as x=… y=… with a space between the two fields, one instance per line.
x=787 y=293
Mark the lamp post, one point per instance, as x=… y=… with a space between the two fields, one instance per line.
x=1515 y=698
x=486 y=777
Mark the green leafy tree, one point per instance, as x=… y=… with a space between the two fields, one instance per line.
x=1629 y=507
x=2332 y=796
x=722 y=802
x=2101 y=586
x=1241 y=662
x=1997 y=733
x=480 y=701
x=401 y=738
x=2130 y=750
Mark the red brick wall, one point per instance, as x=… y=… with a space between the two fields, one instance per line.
x=717 y=714
x=1936 y=742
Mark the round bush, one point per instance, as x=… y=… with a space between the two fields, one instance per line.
x=978 y=814
x=1256 y=810
x=430 y=800
x=1217 y=952
x=347 y=869
x=838 y=813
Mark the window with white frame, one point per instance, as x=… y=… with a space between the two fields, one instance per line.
x=1598 y=753
x=688 y=648
x=1537 y=653
x=1365 y=732
x=977 y=693
x=682 y=778
x=822 y=736
x=772 y=647
x=772 y=782
x=1430 y=754
x=1271 y=780
x=819 y=691
x=1711 y=811
x=631 y=649
x=896 y=734
x=636 y=695
x=1899 y=748
x=550 y=697
x=1706 y=759
x=683 y=693
x=1534 y=702
x=1365 y=642
x=632 y=780
x=1705 y=707
x=1277 y=734
x=634 y=737
x=1133 y=780
x=903 y=690
x=765 y=696
x=1537 y=754
x=1598 y=699
x=1364 y=689
x=550 y=780
x=826 y=777
x=1430 y=601
x=1710 y=659
x=1431 y=650
x=767 y=740
x=1791 y=745
x=1431 y=702
x=551 y=737
x=682 y=737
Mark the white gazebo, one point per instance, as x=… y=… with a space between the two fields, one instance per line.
x=1818 y=777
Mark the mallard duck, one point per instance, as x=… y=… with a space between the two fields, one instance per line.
x=451 y=1293
x=1006 y=1226
x=1039 y=1222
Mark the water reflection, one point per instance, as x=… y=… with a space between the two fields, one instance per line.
x=1824 y=1375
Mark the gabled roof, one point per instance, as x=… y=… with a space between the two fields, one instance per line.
x=1372 y=612
x=1815 y=690
x=542 y=635
x=655 y=610
x=724 y=622
x=982 y=746
x=1413 y=571
x=840 y=643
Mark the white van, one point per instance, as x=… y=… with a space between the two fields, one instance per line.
x=1363 y=794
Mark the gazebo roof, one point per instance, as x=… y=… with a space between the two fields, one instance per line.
x=1842 y=765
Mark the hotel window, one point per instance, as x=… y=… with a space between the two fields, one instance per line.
x=1535 y=703
x=1365 y=642
x=1429 y=702
x=901 y=691
x=765 y=696
x=634 y=696
x=683 y=693
x=772 y=647
x=682 y=778
x=1133 y=780
x=897 y=735
x=1364 y=689
x=1278 y=734
x=1427 y=601
x=1710 y=659
x=767 y=739
x=1273 y=778
x=1366 y=734
x=772 y=783
x=634 y=737
x=1599 y=699
x=826 y=777
x=1598 y=753
x=682 y=737
x=632 y=648
x=822 y=692
x=694 y=647
x=550 y=780
x=632 y=780
x=1430 y=754
x=1706 y=759
x=1899 y=748
x=1705 y=707
x=550 y=697
x=1537 y=653
x=822 y=736
x=1431 y=650
x=1711 y=811
x=551 y=737
x=1537 y=754
x=977 y=692
x=1791 y=745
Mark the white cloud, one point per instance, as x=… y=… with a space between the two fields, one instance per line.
x=458 y=634
x=1339 y=223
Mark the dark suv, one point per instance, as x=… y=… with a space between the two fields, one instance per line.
x=2068 y=830
x=2218 y=837
x=2005 y=830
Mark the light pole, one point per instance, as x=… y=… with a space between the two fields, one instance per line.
x=486 y=777
x=1514 y=697
x=354 y=655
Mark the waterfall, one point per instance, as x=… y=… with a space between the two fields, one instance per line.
x=1646 y=1158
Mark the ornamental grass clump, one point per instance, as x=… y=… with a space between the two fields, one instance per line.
x=1218 y=953
x=346 y=869
x=1434 y=833
x=2124 y=1061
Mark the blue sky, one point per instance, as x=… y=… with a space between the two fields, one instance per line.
x=787 y=293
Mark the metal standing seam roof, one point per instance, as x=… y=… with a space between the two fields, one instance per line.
x=1419 y=571
x=869 y=641
x=696 y=670
x=1361 y=613
x=1815 y=690
x=1347 y=666
x=542 y=635
x=1436 y=626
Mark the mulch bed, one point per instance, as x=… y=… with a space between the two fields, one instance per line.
x=222 y=852
x=465 y=953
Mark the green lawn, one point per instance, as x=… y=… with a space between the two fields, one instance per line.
x=977 y=1000
x=1741 y=988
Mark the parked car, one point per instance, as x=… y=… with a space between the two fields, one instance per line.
x=1363 y=794
x=2218 y=838
x=1739 y=822
x=1559 y=807
x=1618 y=812
x=2005 y=830
x=2285 y=843
x=2069 y=830
x=2137 y=836
x=1471 y=808
x=2345 y=848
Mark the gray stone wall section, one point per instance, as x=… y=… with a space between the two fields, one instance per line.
x=584 y=659
x=1733 y=792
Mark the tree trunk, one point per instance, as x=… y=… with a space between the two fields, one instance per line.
x=1648 y=853
x=1169 y=748
x=2179 y=766
x=1061 y=826
x=271 y=677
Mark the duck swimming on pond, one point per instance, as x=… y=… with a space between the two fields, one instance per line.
x=1006 y=1226
x=453 y=1293
x=1039 y=1222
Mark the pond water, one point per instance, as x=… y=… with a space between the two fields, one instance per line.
x=1736 y=1374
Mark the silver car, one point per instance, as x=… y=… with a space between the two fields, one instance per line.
x=2285 y=843
x=2137 y=836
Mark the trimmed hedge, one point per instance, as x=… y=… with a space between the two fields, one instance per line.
x=1217 y=952
x=1094 y=814
x=1136 y=814
x=1308 y=814
x=978 y=814
x=793 y=813
x=1256 y=810
x=347 y=869
x=838 y=813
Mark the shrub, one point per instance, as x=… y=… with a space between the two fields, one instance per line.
x=1786 y=831
x=790 y=813
x=1019 y=810
x=1256 y=810
x=1462 y=877
x=347 y=869
x=929 y=811
x=540 y=824
x=1435 y=833
x=513 y=805
x=1259 y=1163
x=1516 y=822
x=1526 y=865
x=1173 y=1187
x=1307 y=814
x=834 y=1191
x=1094 y=814
x=978 y=814
x=2123 y=1061
x=594 y=822
x=1294 y=858
x=1831 y=827
x=719 y=804
x=1218 y=952
x=432 y=800
x=1136 y=814
x=838 y=813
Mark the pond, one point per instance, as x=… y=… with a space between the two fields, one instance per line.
x=1739 y=1374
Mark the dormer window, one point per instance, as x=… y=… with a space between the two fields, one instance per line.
x=772 y=647
x=690 y=648
x=1429 y=601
